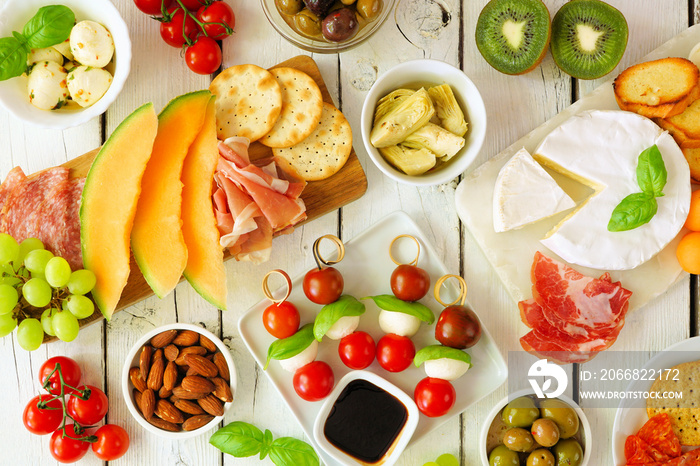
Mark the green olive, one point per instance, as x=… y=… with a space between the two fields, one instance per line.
x=369 y=9
x=545 y=432
x=290 y=7
x=568 y=453
x=561 y=413
x=347 y=2
x=307 y=23
x=502 y=456
x=540 y=457
x=521 y=412
x=518 y=439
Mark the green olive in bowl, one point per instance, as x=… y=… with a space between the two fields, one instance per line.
x=518 y=439
x=290 y=7
x=562 y=414
x=502 y=456
x=545 y=432
x=307 y=23
x=540 y=457
x=568 y=453
x=521 y=412
x=369 y=9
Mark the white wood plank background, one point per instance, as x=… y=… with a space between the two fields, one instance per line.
x=439 y=29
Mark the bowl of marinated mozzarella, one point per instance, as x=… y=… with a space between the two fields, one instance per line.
x=72 y=60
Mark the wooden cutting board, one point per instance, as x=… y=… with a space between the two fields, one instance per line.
x=320 y=197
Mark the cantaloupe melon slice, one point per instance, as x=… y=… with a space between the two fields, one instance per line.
x=109 y=203
x=156 y=238
x=205 y=257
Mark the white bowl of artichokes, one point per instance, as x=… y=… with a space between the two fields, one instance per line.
x=423 y=122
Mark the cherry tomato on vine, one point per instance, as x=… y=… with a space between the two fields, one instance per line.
x=151 y=7
x=395 y=352
x=204 y=56
x=356 y=350
x=323 y=286
x=217 y=12
x=281 y=320
x=67 y=450
x=314 y=381
x=42 y=421
x=172 y=31
x=69 y=368
x=434 y=397
x=194 y=5
x=112 y=442
x=90 y=411
x=409 y=283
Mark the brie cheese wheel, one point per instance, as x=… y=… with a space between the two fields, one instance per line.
x=601 y=150
x=525 y=193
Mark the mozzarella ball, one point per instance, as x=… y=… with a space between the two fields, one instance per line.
x=445 y=368
x=87 y=85
x=47 y=54
x=46 y=85
x=343 y=327
x=91 y=44
x=399 y=323
x=64 y=49
x=300 y=360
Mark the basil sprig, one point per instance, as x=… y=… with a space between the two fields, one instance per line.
x=392 y=303
x=345 y=306
x=50 y=25
x=438 y=352
x=241 y=440
x=639 y=208
x=286 y=348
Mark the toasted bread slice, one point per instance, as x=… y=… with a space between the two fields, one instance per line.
x=678 y=134
x=692 y=155
x=658 y=88
x=688 y=121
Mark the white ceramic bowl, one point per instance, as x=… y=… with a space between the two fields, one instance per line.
x=432 y=72
x=401 y=441
x=13 y=92
x=132 y=359
x=584 y=425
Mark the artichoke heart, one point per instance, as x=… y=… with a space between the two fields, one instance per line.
x=403 y=119
x=448 y=110
x=441 y=142
x=390 y=101
x=410 y=161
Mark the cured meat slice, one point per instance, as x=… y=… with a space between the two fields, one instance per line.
x=691 y=458
x=658 y=433
x=15 y=177
x=637 y=451
x=69 y=244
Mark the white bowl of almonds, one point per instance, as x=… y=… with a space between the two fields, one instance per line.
x=178 y=381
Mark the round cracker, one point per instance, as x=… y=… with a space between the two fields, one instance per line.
x=302 y=105
x=685 y=411
x=248 y=102
x=324 y=152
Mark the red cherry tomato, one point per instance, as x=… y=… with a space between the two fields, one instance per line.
x=90 y=411
x=434 y=397
x=314 y=381
x=395 y=352
x=69 y=368
x=217 y=12
x=42 y=421
x=458 y=327
x=323 y=286
x=356 y=350
x=409 y=283
x=204 y=57
x=281 y=320
x=67 y=450
x=194 y=5
x=172 y=31
x=112 y=442
x=151 y=7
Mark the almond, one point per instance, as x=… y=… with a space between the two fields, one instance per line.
x=222 y=390
x=163 y=338
x=184 y=394
x=208 y=344
x=155 y=375
x=197 y=384
x=136 y=380
x=201 y=365
x=170 y=376
x=180 y=360
x=145 y=361
x=195 y=422
x=164 y=392
x=167 y=412
x=165 y=425
x=171 y=352
x=186 y=338
x=137 y=398
x=212 y=405
x=148 y=403
x=222 y=365
x=188 y=407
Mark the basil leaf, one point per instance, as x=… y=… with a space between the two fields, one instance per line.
x=634 y=211
x=267 y=443
x=50 y=25
x=651 y=171
x=345 y=306
x=13 y=58
x=438 y=352
x=238 y=439
x=285 y=348
x=415 y=309
x=288 y=451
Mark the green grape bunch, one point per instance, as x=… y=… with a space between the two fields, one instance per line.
x=40 y=294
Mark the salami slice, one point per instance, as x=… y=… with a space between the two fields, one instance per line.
x=636 y=451
x=658 y=433
x=691 y=458
x=69 y=243
x=14 y=178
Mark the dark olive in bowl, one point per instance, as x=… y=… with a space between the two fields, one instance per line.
x=319 y=7
x=339 y=25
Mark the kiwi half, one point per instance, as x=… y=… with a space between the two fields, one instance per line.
x=589 y=38
x=513 y=35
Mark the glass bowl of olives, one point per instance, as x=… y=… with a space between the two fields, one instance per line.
x=523 y=430
x=326 y=26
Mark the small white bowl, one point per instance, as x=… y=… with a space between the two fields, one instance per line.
x=432 y=72
x=13 y=92
x=401 y=440
x=584 y=425
x=132 y=359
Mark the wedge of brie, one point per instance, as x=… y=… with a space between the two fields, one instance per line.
x=525 y=193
